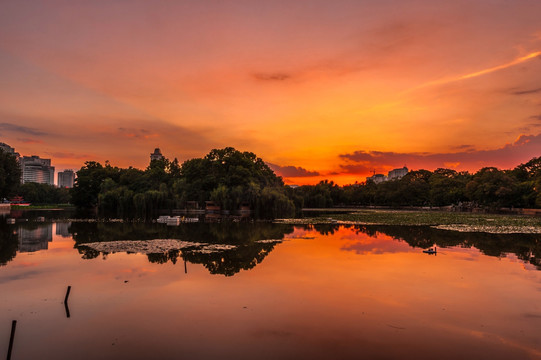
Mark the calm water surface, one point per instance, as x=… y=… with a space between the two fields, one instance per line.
x=323 y=292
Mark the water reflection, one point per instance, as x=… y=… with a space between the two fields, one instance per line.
x=325 y=292
x=35 y=237
x=249 y=243
x=249 y=250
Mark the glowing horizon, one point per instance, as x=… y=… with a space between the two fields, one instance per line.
x=317 y=90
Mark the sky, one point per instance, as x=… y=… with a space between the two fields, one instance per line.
x=318 y=89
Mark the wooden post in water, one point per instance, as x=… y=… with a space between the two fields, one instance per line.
x=66 y=302
x=185 y=267
x=13 y=326
x=67 y=295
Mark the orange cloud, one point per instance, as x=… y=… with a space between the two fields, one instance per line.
x=516 y=61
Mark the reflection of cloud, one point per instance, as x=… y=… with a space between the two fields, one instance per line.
x=376 y=245
x=292 y=171
x=21 y=129
x=523 y=149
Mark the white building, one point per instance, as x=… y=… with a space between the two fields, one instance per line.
x=397 y=173
x=377 y=178
x=35 y=169
x=66 y=178
x=156 y=155
x=394 y=174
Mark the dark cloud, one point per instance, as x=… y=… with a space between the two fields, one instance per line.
x=272 y=76
x=526 y=92
x=136 y=133
x=523 y=149
x=21 y=129
x=354 y=169
x=292 y=171
x=465 y=147
x=535 y=117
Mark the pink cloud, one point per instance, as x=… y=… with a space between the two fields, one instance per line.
x=524 y=148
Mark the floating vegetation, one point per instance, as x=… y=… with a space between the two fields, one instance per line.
x=492 y=229
x=143 y=246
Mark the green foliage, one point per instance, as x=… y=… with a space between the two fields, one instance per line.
x=226 y=176
x=231 y=178
x=489 y=188
x=40 y=194
x=10 y=174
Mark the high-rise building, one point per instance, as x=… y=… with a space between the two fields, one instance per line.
x=66 y=178
x=35 y=169
x=156 y=155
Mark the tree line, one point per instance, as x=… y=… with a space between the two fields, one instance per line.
x=231 y=178
x=227 y=177
x=489 y=187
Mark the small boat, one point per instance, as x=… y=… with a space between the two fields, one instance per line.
x=431 y=251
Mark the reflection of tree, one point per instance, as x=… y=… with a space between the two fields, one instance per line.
x=8 y=243
x=247 y=253
x=526 y=247
x=164 y=257
x=230 y=262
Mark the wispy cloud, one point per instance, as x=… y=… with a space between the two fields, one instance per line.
x=447 y=80
x=137 y=133
x=277 y=76
x=526 y=92
x=29 y=141
x=69 y=155
x=21 y=129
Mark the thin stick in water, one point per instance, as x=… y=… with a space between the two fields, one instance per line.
x=67 y=295
x=12 y=337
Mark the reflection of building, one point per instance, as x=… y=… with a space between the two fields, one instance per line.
x=37 y=170
x=31 y=240
x=62 y=229
x=394 y=174
x=156 y=155
x=66 y=178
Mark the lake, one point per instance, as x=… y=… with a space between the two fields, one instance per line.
x=266 y=291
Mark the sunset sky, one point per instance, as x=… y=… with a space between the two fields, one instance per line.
x=318 y=89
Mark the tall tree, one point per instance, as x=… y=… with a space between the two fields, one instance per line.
x=10 y=174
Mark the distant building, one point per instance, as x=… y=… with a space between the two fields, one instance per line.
x=66 y=179
x=377 y=178
x=394 y=174
x=156 y=155
x=397 y=173
x=35 y=169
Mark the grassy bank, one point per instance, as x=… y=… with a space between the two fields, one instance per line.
x=469 y=222
x=43 y=207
